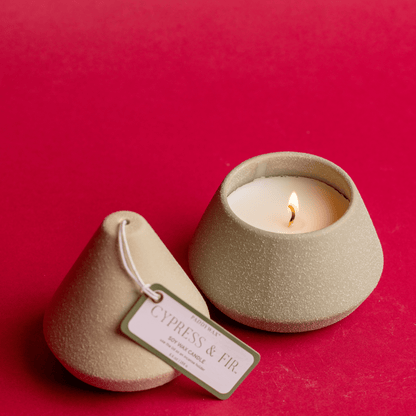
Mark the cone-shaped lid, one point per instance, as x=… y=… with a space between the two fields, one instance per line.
x=82 y=322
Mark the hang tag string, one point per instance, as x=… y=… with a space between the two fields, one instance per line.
x=129 y=266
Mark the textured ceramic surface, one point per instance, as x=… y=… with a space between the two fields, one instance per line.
x=286 y=282
x=82 y=322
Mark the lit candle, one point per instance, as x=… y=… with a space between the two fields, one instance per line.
x=288 y=204
x=265 y=269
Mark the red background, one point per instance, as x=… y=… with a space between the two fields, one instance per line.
x=146 y=106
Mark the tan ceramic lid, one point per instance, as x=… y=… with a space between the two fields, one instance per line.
x=82 y=322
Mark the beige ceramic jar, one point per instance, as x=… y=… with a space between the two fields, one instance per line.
x=286 y=282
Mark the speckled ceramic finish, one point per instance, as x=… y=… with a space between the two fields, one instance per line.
x=82 y=322
x=286 y=282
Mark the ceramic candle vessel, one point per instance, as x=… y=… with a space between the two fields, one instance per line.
x=82 y=322
x=286 y=282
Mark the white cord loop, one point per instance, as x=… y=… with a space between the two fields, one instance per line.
x=131 y=269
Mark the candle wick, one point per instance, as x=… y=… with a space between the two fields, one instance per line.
x=292 y=218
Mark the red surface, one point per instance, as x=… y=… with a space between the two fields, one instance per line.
x=147 y=105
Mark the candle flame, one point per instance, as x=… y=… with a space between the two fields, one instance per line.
x=293 y=201
x=293 y=207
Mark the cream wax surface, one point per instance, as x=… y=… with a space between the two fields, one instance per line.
x=264 y=202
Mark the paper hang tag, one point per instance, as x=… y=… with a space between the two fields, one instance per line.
x=190 y=342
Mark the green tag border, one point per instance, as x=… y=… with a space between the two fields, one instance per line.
x=161 y=288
